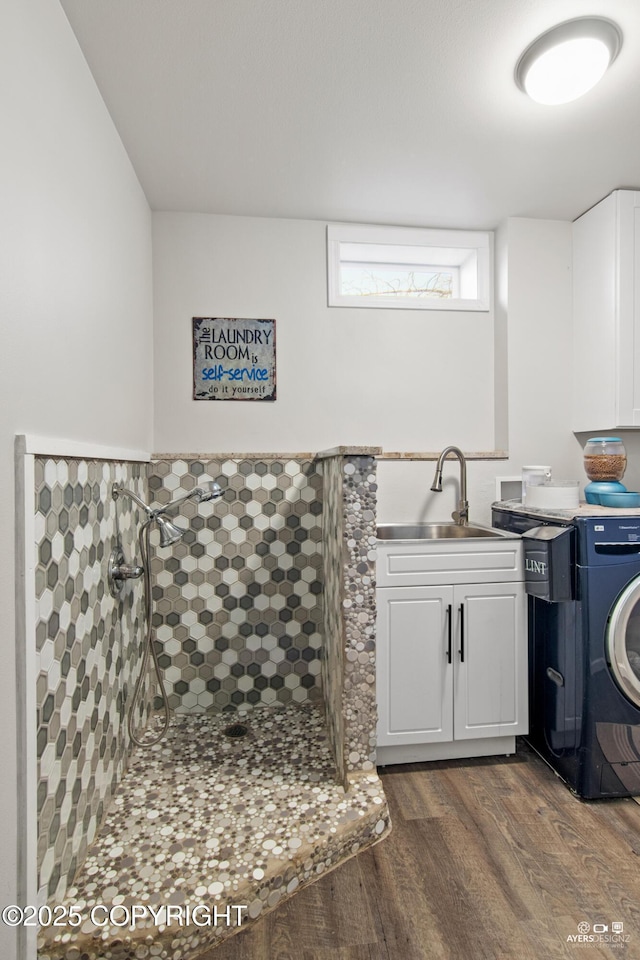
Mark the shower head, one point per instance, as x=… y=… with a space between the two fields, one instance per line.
x=169 y=532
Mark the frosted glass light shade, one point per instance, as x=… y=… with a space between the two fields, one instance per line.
x=568 y=60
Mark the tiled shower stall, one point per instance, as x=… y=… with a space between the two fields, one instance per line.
x=237 y=602
x=268 y=599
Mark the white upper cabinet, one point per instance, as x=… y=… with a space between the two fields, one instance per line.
x=606 y=314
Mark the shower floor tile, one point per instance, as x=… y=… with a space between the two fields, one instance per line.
x=209 y=831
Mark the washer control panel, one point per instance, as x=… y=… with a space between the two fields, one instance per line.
x=604 y=540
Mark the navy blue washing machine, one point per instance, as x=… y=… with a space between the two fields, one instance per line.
x=583 y=580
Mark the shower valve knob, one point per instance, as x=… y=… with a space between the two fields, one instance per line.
x=127 y=571
x=119 y=571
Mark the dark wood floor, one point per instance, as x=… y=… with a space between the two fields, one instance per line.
x=487 y=859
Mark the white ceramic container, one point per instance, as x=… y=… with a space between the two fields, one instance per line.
x=554 y=495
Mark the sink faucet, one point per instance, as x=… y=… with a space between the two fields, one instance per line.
x=461 y=515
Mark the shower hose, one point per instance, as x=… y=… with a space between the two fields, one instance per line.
x=149 y=649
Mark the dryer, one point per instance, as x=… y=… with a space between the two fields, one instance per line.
x=584 y=648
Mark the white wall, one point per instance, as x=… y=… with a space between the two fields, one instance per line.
x=403 y=379
x=532 y=379
x=76 y=298
x=535 y=278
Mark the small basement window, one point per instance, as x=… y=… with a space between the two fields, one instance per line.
x=408 y=269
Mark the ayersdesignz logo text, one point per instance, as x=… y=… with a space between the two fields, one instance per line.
x=593 y=934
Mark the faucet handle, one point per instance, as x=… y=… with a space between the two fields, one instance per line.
x=461 y=515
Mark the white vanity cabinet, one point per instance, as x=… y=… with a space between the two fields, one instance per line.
x=606 y=314
x=451 y=649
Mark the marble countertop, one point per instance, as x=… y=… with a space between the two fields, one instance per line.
x=583 y=510
x=339 y=451
x=433 y=455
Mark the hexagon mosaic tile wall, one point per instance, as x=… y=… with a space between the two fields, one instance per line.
x=88 y=653
x=237 y=602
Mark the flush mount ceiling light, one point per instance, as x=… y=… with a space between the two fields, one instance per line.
x=566 y=61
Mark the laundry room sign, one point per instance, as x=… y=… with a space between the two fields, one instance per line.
x=234 y=359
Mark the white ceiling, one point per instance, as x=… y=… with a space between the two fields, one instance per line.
x=382 y=111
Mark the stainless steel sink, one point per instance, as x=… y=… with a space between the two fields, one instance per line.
x=434 y=531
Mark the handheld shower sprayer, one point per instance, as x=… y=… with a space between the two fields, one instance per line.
x=206 y=491
x=119 y=571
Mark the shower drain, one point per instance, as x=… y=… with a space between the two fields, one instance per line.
x=236 y=730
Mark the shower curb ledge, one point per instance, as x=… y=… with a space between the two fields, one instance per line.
x=215 y=823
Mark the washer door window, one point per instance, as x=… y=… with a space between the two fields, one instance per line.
x=623 y=641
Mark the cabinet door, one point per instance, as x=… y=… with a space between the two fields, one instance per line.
x=629 y=307
x=414 y=677
x=490 y=689
x=606 y=314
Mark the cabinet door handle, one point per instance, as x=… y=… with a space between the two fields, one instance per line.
x=462 y=633
x=449 y=632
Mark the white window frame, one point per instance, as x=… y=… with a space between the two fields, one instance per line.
x=443 y=247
